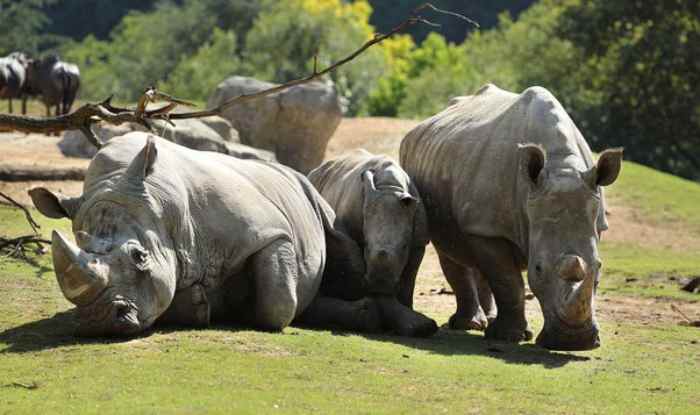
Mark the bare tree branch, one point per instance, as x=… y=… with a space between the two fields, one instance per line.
x=16 y=247
x=35 y=226
x=84 y=117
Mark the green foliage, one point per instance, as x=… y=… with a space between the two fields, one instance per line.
x=196 y=76
x=144 y=49
x=21 y=25
x=640 y=64
x=287 y=35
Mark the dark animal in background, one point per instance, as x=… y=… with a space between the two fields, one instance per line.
x=13 y=79
x=56 y=82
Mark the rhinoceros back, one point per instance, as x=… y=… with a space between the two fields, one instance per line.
x=464 y=160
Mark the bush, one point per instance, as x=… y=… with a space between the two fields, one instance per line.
x=197 y=75
x=286 y=36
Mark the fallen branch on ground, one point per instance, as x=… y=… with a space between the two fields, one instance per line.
x=84 y=117
x=19 y=247
x=9 y=173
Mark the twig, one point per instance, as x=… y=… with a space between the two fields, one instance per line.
x=35 y=226
x=87 y=115
x=678 y=310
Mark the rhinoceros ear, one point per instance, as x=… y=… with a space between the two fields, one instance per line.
x=54 y=205
x=142 y=165
x=608 y=167
x=368 y=180
x=532 y=160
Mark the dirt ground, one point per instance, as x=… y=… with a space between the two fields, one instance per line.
x=383 y=135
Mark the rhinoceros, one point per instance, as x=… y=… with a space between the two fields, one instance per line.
x=379 y=208
x=165 y=233
x=509 y=184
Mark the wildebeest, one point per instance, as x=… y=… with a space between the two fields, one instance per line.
x=376 y=204
x=509 y=183
x=165 y=232
x=13 y=79
x=54 y=81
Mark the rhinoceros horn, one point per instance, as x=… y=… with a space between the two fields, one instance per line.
x=78 y=275
x=576 y=306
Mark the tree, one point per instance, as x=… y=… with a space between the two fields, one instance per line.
x=287 y=35
x=641 y=71
x=21 y=24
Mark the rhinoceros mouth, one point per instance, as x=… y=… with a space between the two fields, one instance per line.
x=557 y=334
x=119 y=317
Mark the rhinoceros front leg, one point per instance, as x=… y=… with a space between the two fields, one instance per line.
x=403 y=320
x=327 y=312
x=189 y=307
x=407 y=283
x=496 y=259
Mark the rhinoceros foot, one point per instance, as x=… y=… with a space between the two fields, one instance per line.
x=508 y=330
x=402 y=320
x=458 y=321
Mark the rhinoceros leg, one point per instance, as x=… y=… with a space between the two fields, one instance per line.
x=469 y=314
x=275 y=275
x=189 y=307
x=486 y=299
x=496 y=259
x=403 y=320
x=408 y=278
x=328 y=312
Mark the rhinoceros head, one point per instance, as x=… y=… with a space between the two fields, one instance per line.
x=388 y=225
x=121 y=274
x=563 y=209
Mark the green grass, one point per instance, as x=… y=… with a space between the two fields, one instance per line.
x=660 y=197
x=641 y=368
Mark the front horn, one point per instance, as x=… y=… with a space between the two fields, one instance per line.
x=76 y=272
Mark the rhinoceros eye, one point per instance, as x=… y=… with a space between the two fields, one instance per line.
x=139 y=256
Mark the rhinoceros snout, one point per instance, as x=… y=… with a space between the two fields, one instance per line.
x=570 y=340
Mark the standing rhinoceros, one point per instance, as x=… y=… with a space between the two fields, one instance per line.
x=376 y=204
x=13 y=79
x=165 y=232
x=55 y=81
x=509 y=183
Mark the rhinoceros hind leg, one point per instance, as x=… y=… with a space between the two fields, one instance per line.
x=275 y=276
x=328 y=312
x=469 y=314
x=486 y=300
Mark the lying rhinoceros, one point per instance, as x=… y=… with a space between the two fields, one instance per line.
x=509 y=183
x=165 y=232
x=378 y=207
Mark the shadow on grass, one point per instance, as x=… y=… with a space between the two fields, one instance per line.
x=449 y=343
x=59 y=331
x=48 y=333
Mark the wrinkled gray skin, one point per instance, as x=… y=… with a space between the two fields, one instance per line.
x=378 y=207
x=509 y=184
x=55 y=81
x=176 y=235
x=13 y=79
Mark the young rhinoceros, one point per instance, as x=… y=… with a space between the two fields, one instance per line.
x=509 y=184
x=165 y=232
x=376 y=204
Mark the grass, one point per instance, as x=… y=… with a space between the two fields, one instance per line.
x=642 y=367
x=659 y=197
